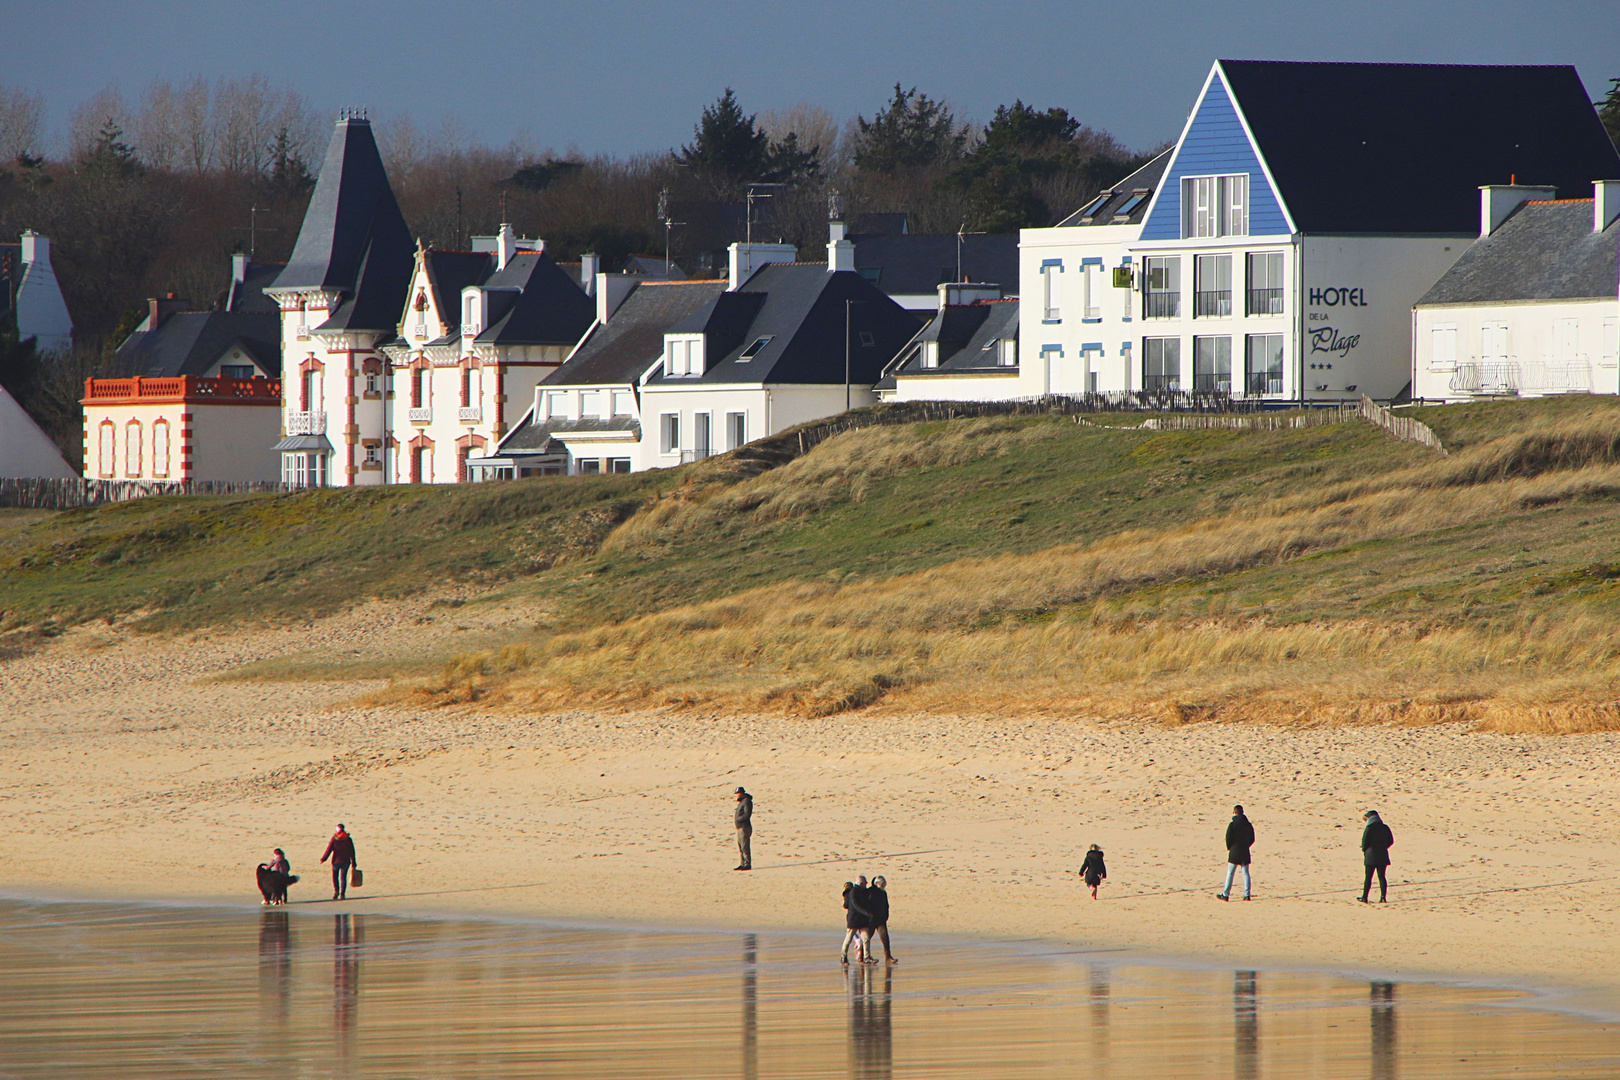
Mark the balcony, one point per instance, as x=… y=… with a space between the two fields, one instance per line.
x=1213 y=383
x=306 y=423
x=1161 y=383
x=1574 y=377
x=420 y=416
x=1216 y=304
x=473 y=414
x=1265 y=301
x=1489 y=378
x=699 y=454
x=186 y=387
x=302 y=332
x=1265 y=383
x=1161 y=305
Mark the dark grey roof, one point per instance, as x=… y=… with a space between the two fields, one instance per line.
x=248 y=294
x=1543 y=251
x=652 y=266
x=880 y=223
x=543 y=304
x=1116 y=197
x=916 y=263
x=801 y=308
x=963 y=331
x=448 y=272
x=353 y=239
x=630 y=343
x=532 y=438
x=304 y=442
x=190 y=342
x=1402 y=148
x=11 y=273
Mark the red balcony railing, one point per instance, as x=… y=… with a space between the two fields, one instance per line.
x=185 y=386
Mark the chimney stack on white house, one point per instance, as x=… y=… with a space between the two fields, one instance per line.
x=959 y=293
x=589 y=266
x=1605 y=203
x=840 y=250
x=610 y=291
x=1497 y=201
x=746 y=258
x=239 y=265
x=505 y=246
x=35 y=248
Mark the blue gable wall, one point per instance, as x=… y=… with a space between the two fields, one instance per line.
x=1215 y=143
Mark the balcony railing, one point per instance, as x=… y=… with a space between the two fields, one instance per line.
x=187 y=386
x=420 y=416
x=473 y=414
x=1573 y=377
x=1262 y=383
x=1161 y=305
x=1489 y=377
x=306 y=423
x=1218 y=382
x=1156 y=383
x=689 y=456
x=1265 y=301
x=1212 y=304
x=302 y=332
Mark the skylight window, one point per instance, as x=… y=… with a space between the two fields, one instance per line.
x=1096 y=204
x=753 y=350
x=1131 y=203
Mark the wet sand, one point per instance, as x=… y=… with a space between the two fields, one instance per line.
x=123 y=776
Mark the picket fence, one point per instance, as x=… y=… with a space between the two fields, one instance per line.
x=68 y=494
x=1401 y=427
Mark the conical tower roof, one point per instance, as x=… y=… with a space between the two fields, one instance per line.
x=354 y=239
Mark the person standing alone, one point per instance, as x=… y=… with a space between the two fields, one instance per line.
x=744 y=818
x=1239 y=839
x=1376 y=839
x=340 y=849
x=1094 y=870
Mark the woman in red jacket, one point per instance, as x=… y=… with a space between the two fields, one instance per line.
x=340 y=849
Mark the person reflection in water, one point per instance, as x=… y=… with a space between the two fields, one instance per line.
x=1245 y=1027
x=871 y=1037
x=275 y=960
x=1383 y=1031
x=345 y=972
x=750 y=1003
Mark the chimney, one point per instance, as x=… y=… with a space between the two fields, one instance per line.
x=35 y=248
x=158 y=309
x=1605 y=203
x=589 y=265
x=239 y=265
x=1497 y=201
x=954 y=293
x=505 y=246
x=746 y=258
x=611 y=290
x=840 y=251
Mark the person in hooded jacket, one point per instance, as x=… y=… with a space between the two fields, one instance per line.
x=877 y=903
x=340 y=849
x=1094 y=870
x=1376 y=840
x=857 y=920
x=1239 y=839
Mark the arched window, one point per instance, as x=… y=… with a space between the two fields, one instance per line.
x=132 y=449
x=160 y=450
x=106 y=454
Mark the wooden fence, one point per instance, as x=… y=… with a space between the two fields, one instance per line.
x=70 y=493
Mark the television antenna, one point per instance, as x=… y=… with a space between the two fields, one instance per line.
x=961 y=234
x=669 y=225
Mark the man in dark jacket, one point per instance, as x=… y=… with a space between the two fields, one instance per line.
x=1376 y=839
x=340 y=849
x=877 y=902
x=744 y=819
x=1239 y=838
x=857 y=920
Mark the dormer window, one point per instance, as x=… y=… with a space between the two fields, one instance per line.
x=753 y=349
x=683 y=356
x=867 y=339
x=930 y=354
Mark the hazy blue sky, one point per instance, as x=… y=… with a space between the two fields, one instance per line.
x=625 y=77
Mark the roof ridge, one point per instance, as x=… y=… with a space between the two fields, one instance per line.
x=1393 y=63
x=1553 y=202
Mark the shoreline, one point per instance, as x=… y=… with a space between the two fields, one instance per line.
x=128 y=773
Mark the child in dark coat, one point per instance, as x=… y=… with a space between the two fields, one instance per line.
x=1093 y=869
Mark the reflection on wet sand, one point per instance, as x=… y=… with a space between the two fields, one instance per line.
x=1245 y=1027
x=871 y=1031
x=1383 y=1031
x=98 y=990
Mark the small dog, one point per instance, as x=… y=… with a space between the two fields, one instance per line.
x=273 y=884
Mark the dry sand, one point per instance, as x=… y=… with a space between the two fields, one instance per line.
x=123 y=775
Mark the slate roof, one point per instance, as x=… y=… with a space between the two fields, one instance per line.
x=963 y=331
x=353 y=238
x=652 y=266
x=533 y=301
x=448 y=272
x=1543 y=251
x=1116 y=197
x=800 y=307
x=917 y=263
x=528 y=438
x=1404 y=148
x=190 y=342
x=632 y=340
x=248 y=294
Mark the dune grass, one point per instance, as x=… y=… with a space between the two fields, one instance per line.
x=1015 y=564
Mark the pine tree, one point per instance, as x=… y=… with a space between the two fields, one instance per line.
x=913 y=132
x=1609 y=112
x=726 y=145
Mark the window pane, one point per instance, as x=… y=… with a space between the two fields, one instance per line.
x=1161 y=364
x=1264 y=363
x=1212 y=364
x=1213 y=293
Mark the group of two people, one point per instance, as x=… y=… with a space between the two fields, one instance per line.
x=276 y=875
x=866 y=912
x=1376 y=840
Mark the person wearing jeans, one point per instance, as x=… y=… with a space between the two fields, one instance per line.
x=340 y=849
x=1239 y=838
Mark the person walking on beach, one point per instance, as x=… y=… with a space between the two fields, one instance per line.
x=744 y=818
x=340 y=849
x=1376 y=839
x=1094 y=870
x=1239 y=838
x=856 y=920
x=877 y=906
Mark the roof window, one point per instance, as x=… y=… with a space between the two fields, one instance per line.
x=870 y=273
x=753 y=350
x=1096 y=204
x=1131 y=203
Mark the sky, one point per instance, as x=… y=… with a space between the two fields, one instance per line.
x=629 y=77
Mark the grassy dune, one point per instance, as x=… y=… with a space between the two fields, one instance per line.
x=1029 y=564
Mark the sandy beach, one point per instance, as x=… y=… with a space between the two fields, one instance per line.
x=127 y=772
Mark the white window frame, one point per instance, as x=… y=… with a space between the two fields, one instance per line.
x=737 y=429
x=625 y=398
x=1051 y=300
x=557 y=405
x=1443 y=347
x=669 y=433
x=1091 y=292
x=107 y=449
x=160 y=449
x=133 y=437
x=1213 y=206
x=590 y=404
x=1610 y=357
x=702 y=434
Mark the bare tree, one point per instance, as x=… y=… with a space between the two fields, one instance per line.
x=87 y=122
x=22 y=123
x=192 y=121
x=156 y=127
x=248 y=114
x=402 y=146
x=816 y=128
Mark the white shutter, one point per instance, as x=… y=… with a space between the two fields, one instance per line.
x=1443 y=350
